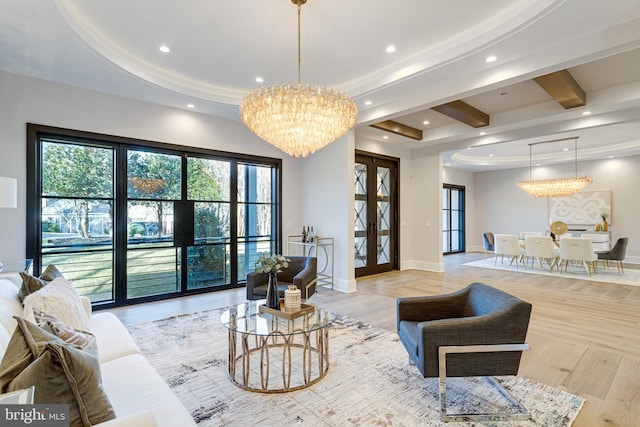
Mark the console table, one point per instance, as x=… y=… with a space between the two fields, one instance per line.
x=324 y=245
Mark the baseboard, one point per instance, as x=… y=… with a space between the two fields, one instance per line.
x=422 y=265
x=346 y=286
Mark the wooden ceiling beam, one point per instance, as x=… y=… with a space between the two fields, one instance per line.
x=563 y=88
x=463 y=112
x=399 y=129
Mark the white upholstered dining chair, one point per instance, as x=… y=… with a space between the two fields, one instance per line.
x=599 y=242
x=541 y=248
x=507 y=244
x=578 y=249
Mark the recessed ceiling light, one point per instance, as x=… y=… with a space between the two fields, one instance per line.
x=165 y=49
x=565 y=149
x=490 y=155
x=538 y=164
x=259 y=79
x=483 y=133
x=468 y=148
x=610 y=157
x=586 y=113
x=391 y=48
x=447 y=164
x=426 y=122
x=191 y=106
x=368 y=102
x=385 y=137
x=491 y=58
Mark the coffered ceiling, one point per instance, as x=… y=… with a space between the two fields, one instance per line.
x=217 y=49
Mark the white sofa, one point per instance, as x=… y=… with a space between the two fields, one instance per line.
x=137 y=393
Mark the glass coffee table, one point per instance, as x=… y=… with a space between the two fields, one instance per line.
x=269 y=353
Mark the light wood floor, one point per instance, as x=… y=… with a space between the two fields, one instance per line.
x=584 y=336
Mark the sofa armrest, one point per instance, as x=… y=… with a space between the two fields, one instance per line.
x=137 y=419
x=86 y=304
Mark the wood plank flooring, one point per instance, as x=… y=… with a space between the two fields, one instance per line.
x=584 y=335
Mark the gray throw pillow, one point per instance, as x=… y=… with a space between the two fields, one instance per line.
x=61 y=373
x=31 y=284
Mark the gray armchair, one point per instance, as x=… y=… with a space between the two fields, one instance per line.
x=477 y=331
x=302 y=272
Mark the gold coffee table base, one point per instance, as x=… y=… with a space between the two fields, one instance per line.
x=240 y=353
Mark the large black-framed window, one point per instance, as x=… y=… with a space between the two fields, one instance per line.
x=129 y=220
x=453 y=219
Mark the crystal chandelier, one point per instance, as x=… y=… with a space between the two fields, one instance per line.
x=301 y=119
x=559 y=187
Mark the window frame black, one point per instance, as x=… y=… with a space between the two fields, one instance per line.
x=120 y=144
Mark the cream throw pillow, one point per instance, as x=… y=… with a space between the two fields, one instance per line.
x=60 y=300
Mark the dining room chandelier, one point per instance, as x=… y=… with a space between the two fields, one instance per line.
x=559 y=187
x=298 y=119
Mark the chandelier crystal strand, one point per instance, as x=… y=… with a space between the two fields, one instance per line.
x=560 y=187
x=298 y=120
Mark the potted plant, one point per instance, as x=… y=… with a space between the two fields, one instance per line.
x=272 y=265
x=605 y=226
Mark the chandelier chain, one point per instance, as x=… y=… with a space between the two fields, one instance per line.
x=299 y=54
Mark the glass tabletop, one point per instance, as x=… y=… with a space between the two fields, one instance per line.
x=246 y=318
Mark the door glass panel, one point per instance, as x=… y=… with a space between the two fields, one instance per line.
x=445 y=220
x=154 y=182
x=455 y=220
x=255 y=211
x=455 y=199
x=76 y=215
x=455 y=241
x=153 y=263
x=361 y=251
x=361 y=217
x=208 y=258
x=383 y=182
x=384 y=250
x=153 y=176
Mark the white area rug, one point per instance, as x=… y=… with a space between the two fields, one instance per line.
x=369 y=383
x=574 y=271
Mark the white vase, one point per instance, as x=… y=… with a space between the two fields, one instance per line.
x=292 y=298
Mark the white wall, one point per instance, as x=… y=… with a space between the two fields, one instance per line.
x=501 y=207
x=327 y=204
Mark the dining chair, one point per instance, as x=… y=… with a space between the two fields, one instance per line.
x=488 y=243
x=541 y=248
x=600 y=242
x=508 y=244
x=617 y=254
x=578 y=249
x=524 y=234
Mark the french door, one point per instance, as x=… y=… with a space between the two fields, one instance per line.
x=376 y=214
x=453 y=219
x=131 y=221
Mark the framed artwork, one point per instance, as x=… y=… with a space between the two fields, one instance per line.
x=582 y=208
